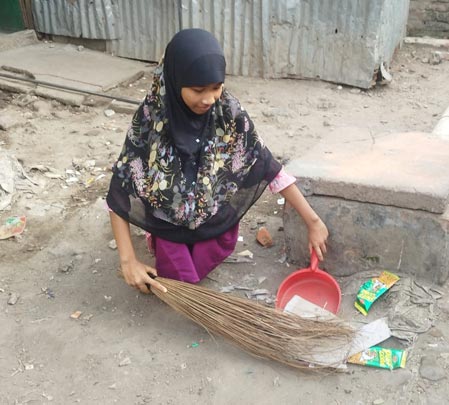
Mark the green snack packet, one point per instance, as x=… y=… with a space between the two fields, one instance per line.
x=380 y=357
x=373 y=289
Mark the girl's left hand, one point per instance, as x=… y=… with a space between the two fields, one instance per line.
x=318 y=234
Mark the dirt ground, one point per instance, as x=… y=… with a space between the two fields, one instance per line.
x=129 y=348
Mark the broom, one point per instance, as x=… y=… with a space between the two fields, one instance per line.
x=262 y=331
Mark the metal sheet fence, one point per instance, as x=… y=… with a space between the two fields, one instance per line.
x=77 y=18
x=343 y=41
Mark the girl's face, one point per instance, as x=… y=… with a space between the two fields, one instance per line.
x=201 y=98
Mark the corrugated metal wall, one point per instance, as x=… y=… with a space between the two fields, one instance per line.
x=77 y=18
x=342 y=41
x=147 y=27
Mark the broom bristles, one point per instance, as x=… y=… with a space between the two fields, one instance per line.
x=262 y=331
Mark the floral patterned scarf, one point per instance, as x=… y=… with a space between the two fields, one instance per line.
x=149 y=188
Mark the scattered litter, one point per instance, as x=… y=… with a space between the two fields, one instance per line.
x=125 y=362
x=49 y=172
x=108 y=298
x=29 y=367
x=240 y=239
x=380 y=357
x=412 y=309
x=283 y=258
x=183 y=366
x=87 y=317
x=260 y=280
x=48 y=292
x=13 y=298
x=270 y=300
x=243 y=288
x=385 y=76
x=259 y=292
x=378 y=401
x=246 y=253
x=264 y=237
x=227 y=289
x=109 y=113
x=281 y=201
x=67 y=268
x=13 y=226
x=365 y=337
x=371 y=290
x=194 y=345
x=76 y=315
x=112 y=244
x=113 y=386
x=46 y=396
x=277 y=382
x=237 y=259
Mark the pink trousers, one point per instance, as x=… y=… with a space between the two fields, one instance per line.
x=192 y=263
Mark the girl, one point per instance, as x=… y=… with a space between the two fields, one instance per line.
x=191 y=166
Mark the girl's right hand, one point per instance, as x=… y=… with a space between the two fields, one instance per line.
x=136 y=274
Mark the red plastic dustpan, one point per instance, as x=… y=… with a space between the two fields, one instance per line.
x=312 y=284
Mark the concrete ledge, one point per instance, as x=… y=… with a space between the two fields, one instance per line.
x=407 y=170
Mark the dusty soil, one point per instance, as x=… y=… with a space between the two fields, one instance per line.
x=129 y=348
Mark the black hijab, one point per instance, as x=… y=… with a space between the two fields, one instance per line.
x=192 y=58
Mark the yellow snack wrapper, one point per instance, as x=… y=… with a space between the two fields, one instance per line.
x=373 y=289
x=380 y=357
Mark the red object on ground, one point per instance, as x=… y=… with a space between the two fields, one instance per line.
x=264 y=237
x=312 y=284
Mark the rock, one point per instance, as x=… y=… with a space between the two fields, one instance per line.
x=24 y=99
x=430 y=370
x=60 y=114
x=264 y=237
x=109 y=113
x=7 y=122
x=112 y=244
x=325 y=105
x=92 y=132
x=13 y=298
x=436 y=58
x=125 y=362
x=41 y=107
x=76 y=314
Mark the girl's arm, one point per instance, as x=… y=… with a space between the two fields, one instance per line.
x=318 y=232
x=134 y=272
